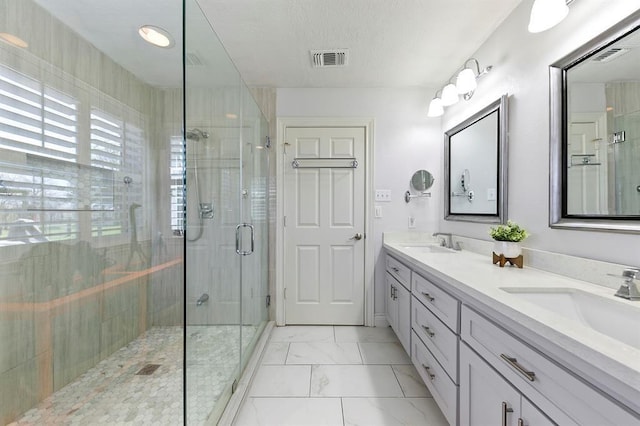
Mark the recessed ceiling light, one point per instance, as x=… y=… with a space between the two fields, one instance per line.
x=156 y=36
x=14 y=40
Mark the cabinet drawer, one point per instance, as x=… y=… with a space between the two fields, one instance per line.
x=438 y=301
x=557 y=392
x=443 y=390
x=399 y=271
x=441 y=341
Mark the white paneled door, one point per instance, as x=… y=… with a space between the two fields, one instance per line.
x=324 y=206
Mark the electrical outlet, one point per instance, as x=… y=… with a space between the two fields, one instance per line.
x=378 y=211
x=412 y=222
x=491 y=194
x=383 y=195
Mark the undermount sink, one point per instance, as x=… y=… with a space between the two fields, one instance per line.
x=430 y=248
x=609 y=317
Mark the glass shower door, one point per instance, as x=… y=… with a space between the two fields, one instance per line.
x=226 y=227
x=212 y=101
x=255 y=207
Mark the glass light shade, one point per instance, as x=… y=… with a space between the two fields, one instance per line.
x=435 y=108
x=449 y=95
x=546 y=14
x=466 y=81
x=156 y=36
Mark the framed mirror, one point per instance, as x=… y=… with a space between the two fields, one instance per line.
x=595 y=133
x=476 y=166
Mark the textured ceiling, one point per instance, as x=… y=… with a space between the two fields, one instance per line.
x=392 y=43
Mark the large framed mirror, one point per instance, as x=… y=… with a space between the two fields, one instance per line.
x=595 y=133
x=476 y=166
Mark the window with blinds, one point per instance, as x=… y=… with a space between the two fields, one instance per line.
x=38 y=174
x=118 y=146
x=47 y=179
x=177 y=169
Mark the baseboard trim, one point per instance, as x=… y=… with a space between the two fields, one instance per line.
x=380 y=320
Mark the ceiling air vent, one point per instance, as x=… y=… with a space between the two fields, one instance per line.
x=329 y=58
x=610 y=54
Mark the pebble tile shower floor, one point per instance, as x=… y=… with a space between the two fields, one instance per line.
x=111 y=393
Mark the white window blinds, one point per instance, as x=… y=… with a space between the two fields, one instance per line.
x=177 y=168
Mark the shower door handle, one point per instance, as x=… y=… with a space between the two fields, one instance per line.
x=242 y=252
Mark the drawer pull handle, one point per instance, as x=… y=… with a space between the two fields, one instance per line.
x=514 y=363
x=520 y=422
x=429 y=373
x=395 y=269
x=505 y=410
x=428 y=296
x=428 y=331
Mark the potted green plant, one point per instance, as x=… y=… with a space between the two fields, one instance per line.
x=507 y=239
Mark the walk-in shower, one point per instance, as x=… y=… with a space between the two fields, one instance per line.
x=124 y=172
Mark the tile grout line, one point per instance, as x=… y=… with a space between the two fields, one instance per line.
x=398 y=380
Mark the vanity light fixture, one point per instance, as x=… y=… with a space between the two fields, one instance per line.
x=436 y=109
x=466 y=84
x=547 y=14
x=156 y=36
x=450 y=95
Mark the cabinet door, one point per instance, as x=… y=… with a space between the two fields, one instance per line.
x=392 y=304
x=531 y=416
x=403 y=299
x=485 y=397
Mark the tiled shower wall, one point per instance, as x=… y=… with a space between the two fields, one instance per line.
x=625 y=156
x=56 y=321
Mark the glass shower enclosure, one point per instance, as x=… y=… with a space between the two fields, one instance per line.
x=226 y=224
x=133 y=215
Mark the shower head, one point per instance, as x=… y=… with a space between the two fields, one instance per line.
x=197 y=134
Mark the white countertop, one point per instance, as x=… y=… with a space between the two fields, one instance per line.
x=607 y=363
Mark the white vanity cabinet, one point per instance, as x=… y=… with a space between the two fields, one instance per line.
x=488 y=399
x=398 y=300
x=491 y=358
x=559 y=394
x=435 y=325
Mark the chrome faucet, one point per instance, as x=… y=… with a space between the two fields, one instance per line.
x=446 y=241
x=629 y=289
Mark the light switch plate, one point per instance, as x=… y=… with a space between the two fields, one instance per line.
x=383 y=195
x=491 y=194
x=378 y=211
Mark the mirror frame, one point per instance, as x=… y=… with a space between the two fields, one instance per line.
x=558 y=111
x=500 y=105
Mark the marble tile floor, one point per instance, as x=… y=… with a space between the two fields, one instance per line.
x=337 y=375
x=112 y=394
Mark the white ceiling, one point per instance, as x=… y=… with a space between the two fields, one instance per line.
x=392 y=43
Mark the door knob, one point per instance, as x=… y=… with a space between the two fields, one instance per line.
x=356 y=237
